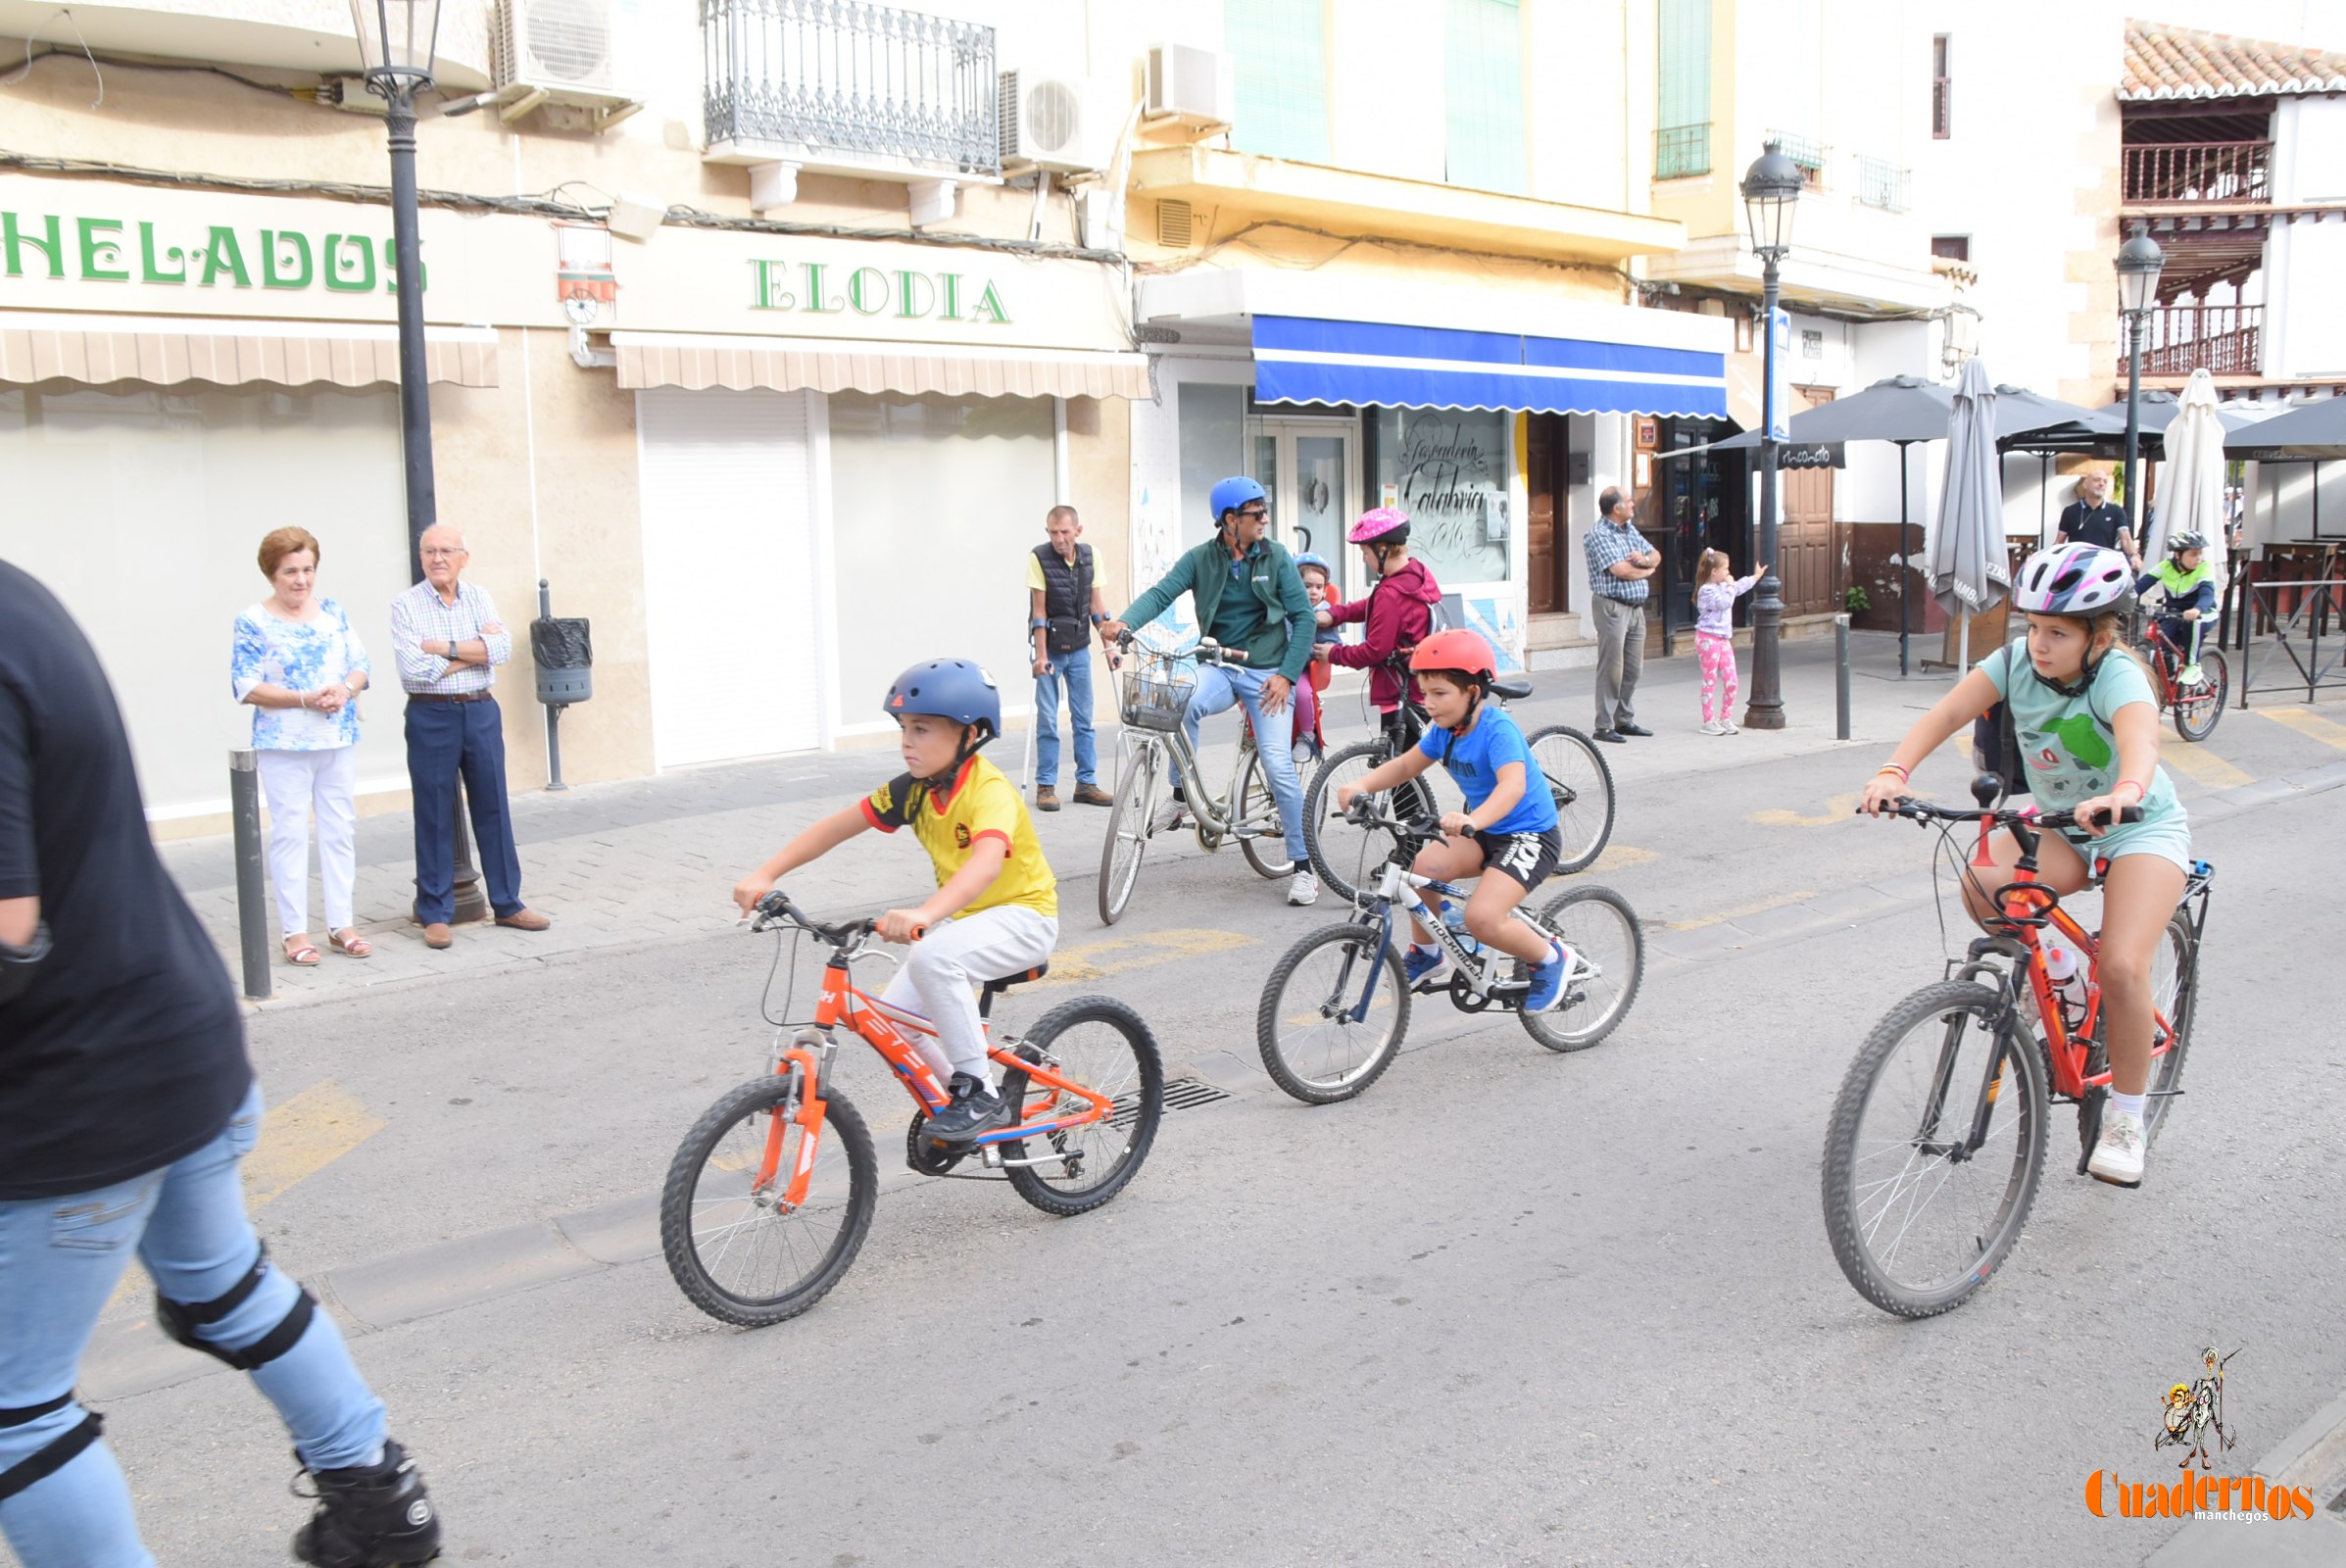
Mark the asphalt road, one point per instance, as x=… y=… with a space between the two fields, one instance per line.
x=1509 y=1307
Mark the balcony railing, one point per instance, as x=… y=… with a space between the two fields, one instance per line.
x=1942 y=108
x=1881 y=184
x=2231 y=173
x=2182 y=339
x=1681 y=151
x=833 y=75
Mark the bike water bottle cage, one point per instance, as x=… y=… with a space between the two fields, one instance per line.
x=180 y=1320
x=52 y=1456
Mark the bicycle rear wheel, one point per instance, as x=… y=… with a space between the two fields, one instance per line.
x=1128 y=829
x=1599 y=925
x=1104 y=1046
x=2174 y=993
x=2198 y=706
x=1264 y=841
x=1935 y=1150
x=730 y=1247
x=1311 y=1045
x=1582 y=787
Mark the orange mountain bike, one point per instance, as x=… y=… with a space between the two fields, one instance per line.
x=1938 y=1134
x=771 y=1193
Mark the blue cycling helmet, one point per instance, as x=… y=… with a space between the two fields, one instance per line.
x=1311 y=557
x=1230 y=494
x=958 y=689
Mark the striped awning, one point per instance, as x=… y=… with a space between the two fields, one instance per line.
x=821 y=364
x=1301 y=360
x=167 y=351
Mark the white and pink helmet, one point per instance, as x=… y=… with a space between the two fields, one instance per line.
x=1382 y=525
x=2074 y=579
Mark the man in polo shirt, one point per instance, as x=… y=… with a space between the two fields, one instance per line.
x=448 y=641
x=2095 y=519
x=1620 y=559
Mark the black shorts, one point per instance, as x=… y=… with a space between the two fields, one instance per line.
x=1527 y=857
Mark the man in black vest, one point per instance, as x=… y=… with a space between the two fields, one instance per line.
x=2095 y=519
x=1063 y=605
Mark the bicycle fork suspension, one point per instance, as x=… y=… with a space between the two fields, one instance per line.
x=1943 y=1085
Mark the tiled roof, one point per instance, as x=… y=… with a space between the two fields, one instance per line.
x=2164 y=62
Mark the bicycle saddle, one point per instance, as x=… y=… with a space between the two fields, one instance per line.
x=995 y=988
x=1514 y=691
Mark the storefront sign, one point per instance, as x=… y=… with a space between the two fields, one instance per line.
x=101 y=250
x=906 y=295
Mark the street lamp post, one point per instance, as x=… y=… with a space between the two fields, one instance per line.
x=1771 y=191
x=399 y=41
x=2140 y=260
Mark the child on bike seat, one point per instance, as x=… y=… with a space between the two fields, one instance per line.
x=1510 y=813
x=995 y=910
x=2088 y=727
x=1396 y=615
x=2190 y=584
x=1317 y=573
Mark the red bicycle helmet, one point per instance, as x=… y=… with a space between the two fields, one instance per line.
x=1458 y=649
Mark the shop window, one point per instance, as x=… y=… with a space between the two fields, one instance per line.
x=1482 y=66
x=1282 y=78
x=1450 y=469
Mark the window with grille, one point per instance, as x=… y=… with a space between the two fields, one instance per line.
x=1682 y=144
x=1482 y=70
x=1942 y=90
x=1281 y=78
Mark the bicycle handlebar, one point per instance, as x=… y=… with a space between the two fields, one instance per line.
x=1915 y=811
x=775 y=909
x=1205 y=650
x=1359 y=814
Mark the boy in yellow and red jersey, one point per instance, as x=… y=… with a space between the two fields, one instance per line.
x=995 y=910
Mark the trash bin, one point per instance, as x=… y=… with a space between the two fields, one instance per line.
x=565 y=656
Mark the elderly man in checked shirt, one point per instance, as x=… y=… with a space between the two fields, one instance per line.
x=448 y=641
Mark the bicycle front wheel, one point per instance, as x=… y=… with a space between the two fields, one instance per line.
x=1346 y=857
x=1600 y=928
x=1263 y=837
x=1583 y=787
x=1104 y=1046
x=2199 y=705
x=1935 y=1150
x=735 y=1248
x=1128 y=830
x=1312 y=1044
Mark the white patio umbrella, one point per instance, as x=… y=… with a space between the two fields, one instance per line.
x=2191 y=488
x=1965 y=549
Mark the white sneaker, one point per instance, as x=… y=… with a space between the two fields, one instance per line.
x=1304 y=889
x=1713 y=726
x=1168 y=817
x=2118 y=1158
x=1728 y=726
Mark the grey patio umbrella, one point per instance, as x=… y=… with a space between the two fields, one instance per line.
x=1966 y=551
x=2315 y=433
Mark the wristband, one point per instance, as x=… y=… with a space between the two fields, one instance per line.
x=2140 y=794
x=1038 y=623
x=1904 y=778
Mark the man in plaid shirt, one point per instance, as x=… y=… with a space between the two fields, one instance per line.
x=1618 y=562
x=448 y=641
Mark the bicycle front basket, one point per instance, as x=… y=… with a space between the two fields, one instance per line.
x=1155 y=696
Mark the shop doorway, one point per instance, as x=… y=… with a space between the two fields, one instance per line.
x=1805 y=558
x=1312 y=469
x=1547 y=534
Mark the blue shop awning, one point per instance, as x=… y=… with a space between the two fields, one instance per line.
x=1300 y=360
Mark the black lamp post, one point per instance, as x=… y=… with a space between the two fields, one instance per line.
x=2138 y=262
x=1771 y=190
x=399 y=41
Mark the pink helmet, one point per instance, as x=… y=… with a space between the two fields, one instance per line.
x=1381 y=525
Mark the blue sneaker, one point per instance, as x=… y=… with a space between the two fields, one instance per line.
x=1547 y=982
x=1420 y=967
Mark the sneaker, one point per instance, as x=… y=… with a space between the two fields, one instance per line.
x=2118 y=1158
x=2190 y=675
x=976 y=1110
x=1712 y=726
x=374 y=1516
x=1304 y=889
x=1420 y=965
x=1728 y=726
x=1170 y=815
x=1546 y=990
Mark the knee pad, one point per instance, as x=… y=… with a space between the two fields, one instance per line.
x=180 y=1320
x=59 y=1452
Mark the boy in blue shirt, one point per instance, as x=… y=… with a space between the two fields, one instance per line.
x=1510 y=821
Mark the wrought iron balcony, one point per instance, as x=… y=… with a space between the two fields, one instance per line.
x=2182 y=339
x=870 y=83
x=1682 y=150
x=1881 y=184
x=2232 y=174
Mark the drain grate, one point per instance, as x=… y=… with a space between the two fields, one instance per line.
x=1184 y=1094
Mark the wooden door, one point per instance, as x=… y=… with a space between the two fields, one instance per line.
x=1804 y=555
x=1547 y=537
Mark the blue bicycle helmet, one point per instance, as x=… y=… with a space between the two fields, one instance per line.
x=956 y=689
x=1310 y=558
x=1228 y=495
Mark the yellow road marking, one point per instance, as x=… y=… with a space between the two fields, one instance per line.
x=303 y=1137
x=2198 y=763
x=2308 y=724
x=1839 y=809
x=1617 y=855
x=1724 y=915
x=1094 y=961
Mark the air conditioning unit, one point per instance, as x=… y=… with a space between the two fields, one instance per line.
x=1191 y=86
x=562 y=49
x=1039 y=122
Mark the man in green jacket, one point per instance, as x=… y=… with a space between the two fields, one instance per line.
x=1249 y=597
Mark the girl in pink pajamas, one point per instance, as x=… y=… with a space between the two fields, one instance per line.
x=1715 y=595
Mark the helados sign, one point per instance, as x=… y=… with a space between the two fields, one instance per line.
x=112 y=249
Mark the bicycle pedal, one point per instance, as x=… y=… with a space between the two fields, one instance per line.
x=991 y=1154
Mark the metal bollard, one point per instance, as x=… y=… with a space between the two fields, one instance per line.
x=1840 y=677
x=251 y=903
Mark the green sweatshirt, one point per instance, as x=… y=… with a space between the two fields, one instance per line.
x=1272 y=621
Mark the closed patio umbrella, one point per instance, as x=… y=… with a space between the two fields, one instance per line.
x=1965 y=549
x=2191 y=498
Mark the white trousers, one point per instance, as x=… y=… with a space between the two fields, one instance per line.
x=940 y=978
x=298 y=785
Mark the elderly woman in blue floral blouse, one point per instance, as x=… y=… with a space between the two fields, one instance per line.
x=301 y=665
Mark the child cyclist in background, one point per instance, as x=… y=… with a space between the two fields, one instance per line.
x=2088 y=727
x=1716 y=590
x=1318 y=573
x=1395 y=615
x=2190 y=584
x=1510 y=813
x=995 y=910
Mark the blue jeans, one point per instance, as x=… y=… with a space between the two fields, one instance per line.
x=445 y=739
x=60 y=1258
x=1075 y=670
x=1221 y=688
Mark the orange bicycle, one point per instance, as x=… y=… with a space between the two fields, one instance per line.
x=769 y=1195
x=1938 y=1134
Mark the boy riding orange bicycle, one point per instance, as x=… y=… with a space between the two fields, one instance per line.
x=996 y=908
